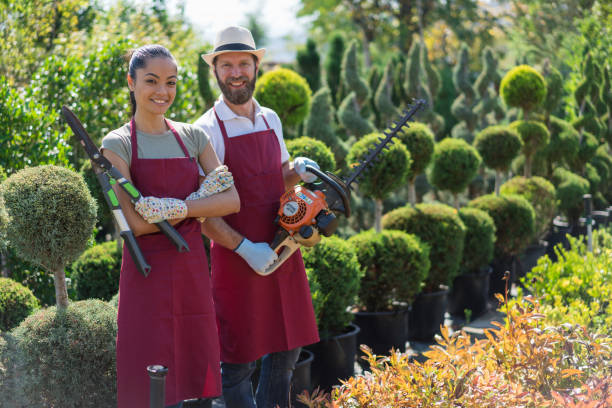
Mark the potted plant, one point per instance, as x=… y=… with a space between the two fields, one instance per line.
x=514 y=224
x=439 y=226
x=395 y=265
x=570 y=190
x=470 y=290
x=334 y=274
x=419 y=140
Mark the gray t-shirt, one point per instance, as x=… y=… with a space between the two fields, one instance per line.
x=162 y=146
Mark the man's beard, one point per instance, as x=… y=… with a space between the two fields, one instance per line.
x=237 y=96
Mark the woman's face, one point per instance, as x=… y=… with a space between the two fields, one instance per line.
x=154 y=86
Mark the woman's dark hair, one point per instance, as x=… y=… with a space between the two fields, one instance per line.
x=138 y=59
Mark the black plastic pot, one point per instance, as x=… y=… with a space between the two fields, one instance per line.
x=601 y=219
x=301 y=377
x=470 y=291
x=382 y=331
x=530 y=257
x=427 y=314
x=334 y=358
x=497 y=283
x=558 y=235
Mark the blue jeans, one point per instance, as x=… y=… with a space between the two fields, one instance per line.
x=274 y=381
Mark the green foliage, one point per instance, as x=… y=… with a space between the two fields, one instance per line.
x=206 y=92
x=514 y=221
x=479 y=239
x=419 y=140
x=386 y=174
x=313 y=149
x=114 y=300
x=51 y=214
x=333 y=66
x=104 y=216
x=541 y=194
x=398 y=95
x=523 y=87
x=554 y=88
x=16 y=303
x=319 y=123
x=382 y=99
x=563 y=145
x=285 y=92
x=570 y=189
x=463 y=107
x=334 y=271
x=454 y=165
x=308 y=64
x=350 y=117
x=533 y=134
x=498 y=146
x=67 y=356
x=587 y=146
x=351 y=75
x=95 y=273
x=395 y=264
x=488 y=109
x=35 y=278
x=440 y=227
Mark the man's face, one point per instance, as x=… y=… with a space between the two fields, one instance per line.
x=236 y=74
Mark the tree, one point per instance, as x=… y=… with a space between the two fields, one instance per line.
x=333 y=66
x=308 y=64
x=383 y=100
x=463 y=106
x=488 y=109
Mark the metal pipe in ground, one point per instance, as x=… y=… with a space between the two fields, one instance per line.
x=157 y=385
x=588 y=210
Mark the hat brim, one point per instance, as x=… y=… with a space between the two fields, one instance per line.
x=209 y=58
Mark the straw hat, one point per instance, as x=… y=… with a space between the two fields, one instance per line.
x=234 y=39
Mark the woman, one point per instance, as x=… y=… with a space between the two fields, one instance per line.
x=168 y=317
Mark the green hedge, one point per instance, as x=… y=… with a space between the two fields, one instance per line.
x=16 y=303
x=313 y=149
x=479 y=239
x=95 y=274
x=285 y=92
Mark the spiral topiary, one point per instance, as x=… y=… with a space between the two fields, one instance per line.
x=382 y=98
x=95 y=274
x=488 y=108
x=587 y=147
x=334 y=274
x=562 y=147
x=308 y=64
x=52 y=215
x=514 y=220
x=16 y=303
x=351 y=76
x=479 y=239
x=463 y=107
x=541 y=194
x=454 y=165
x=438 y=226
x=395 y=265
x=523 y=87
x=420 y=142
x=498 y=146
x=333 y=66
x=350 y=117
x=319 y=123
x=534 y=136
x=313 y=149
x=554 y=89
x=285 y=92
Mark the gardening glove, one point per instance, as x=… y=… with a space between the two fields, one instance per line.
x=258 y=255
x=154 y=209
x=218 y=180
x=299 y=164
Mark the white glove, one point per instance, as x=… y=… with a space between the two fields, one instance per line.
x=218 y=180
x=258 y=255
x=300 y=163
x=154 y=209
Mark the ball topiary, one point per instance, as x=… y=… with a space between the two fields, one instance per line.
x=498 y=146
x=395 y=264
x=534 y=136
x=570 y=191
x=523 y=87
x=420 y=142
x=313 y=149
x=440 y=227
x=454 y=165
x=16 y=303
x=52 y=215
x=95 y=274
x=334 y=274
x=68 y=355
x=479 y=239
x=541 y=194
x=514 y=221
x=285 y=92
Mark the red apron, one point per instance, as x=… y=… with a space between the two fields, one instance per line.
x=168 y=317
x=258 y=315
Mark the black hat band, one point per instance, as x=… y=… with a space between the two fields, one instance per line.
x=234 y=47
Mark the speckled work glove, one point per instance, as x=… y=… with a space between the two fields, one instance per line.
x=218 y=180
x=154 y=209
x=300 y=163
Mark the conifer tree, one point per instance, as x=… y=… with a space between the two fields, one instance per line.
x=463 y=106
x=320 y=124
x=382 y=99
x=374 y=78
x=333 y=66
x=349 y=114
x=308 y=64
x=554 y=90
x=204 y=84
x=488 y=108
x=351 y=75
x=398 y=95
x=588 y=97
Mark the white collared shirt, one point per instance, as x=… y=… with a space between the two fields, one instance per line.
x=236 y=126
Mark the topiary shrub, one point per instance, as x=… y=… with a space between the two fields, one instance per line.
x=420 y=142
x=350 y=117
x=570 y=191
x=541 y=194
x=454 y=165
x=351 y=77
x=395 y=264
x=498 y=146
x=52 y=215
x=440 y=227
x=523 y=87
x=562 y=147
x=534 y=136
x=514 y=221
x=319 y=124
x=67 y=356
x=95 y=274
x=334 y=274
x=285 y=92
x=479 y=239
x=16 y=303
x=313 y=149
x=385 y=175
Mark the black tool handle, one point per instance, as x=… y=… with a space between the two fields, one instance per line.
x=135 y=252
x=157 y=386
x=342 y=192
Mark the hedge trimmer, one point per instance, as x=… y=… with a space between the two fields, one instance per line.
x=107 y=176
x=306 y=213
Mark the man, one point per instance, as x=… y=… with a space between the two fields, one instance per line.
x=258 y=316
